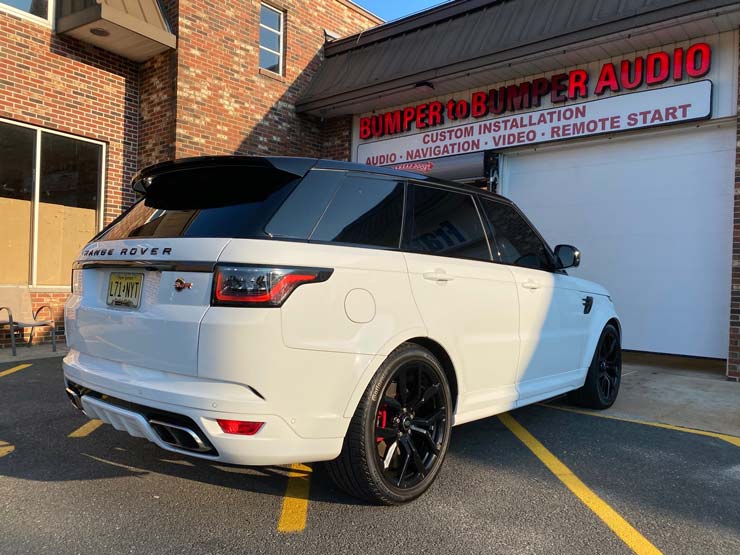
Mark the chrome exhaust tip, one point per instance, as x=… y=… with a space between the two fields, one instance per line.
x=179 y=436
x=75 y=399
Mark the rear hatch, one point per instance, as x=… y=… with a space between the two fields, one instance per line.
x=142 y=287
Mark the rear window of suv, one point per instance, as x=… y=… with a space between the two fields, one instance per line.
x=365 y=212
x=243 y=205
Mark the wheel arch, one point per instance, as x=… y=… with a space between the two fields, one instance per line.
x=617 y=324
x=437 y=349
x=440 y=353
x=603 y=318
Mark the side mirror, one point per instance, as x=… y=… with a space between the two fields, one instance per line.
x=567 y=256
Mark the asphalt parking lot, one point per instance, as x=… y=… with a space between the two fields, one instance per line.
x=67 y=486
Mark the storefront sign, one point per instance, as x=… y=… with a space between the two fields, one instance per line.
x=625 y=112
x=653 y=69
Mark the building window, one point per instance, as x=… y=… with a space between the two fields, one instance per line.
x=50 y=202
x=41 y=9
x=272 y=22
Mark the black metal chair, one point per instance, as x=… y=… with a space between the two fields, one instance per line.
x=20 y=299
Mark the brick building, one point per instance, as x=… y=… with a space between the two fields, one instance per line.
x=613 y=124
x=90 y=91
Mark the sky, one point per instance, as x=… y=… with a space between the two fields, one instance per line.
x=393 y=9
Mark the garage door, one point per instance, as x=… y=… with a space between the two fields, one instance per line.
x=652 y=215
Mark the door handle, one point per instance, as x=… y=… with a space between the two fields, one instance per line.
x=531 y=284
x=438 y=275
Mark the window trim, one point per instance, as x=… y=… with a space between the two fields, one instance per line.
x=551 y=256
x=100 y=208
x=406 y=223
x=362 y=175
x=46 y=22
x=281 y=39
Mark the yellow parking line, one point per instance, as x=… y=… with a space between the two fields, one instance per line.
x=13 y=370
x=295 y=502
x=724 y=437
x=6 y=448
x=86 y=429
x=623 y=529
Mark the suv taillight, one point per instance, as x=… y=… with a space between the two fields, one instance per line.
x=241 y=285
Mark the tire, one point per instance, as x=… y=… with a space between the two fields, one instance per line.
x=604 y=375
x=399 y=434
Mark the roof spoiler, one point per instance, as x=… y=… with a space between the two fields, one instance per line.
x=145 y=181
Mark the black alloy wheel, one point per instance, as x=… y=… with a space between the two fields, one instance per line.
x=604 y=375
x=398 y=437
x=410 y=427
x=610 y=367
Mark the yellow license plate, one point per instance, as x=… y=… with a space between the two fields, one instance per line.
x=124 y=289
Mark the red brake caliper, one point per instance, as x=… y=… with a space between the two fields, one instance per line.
x=381 y=420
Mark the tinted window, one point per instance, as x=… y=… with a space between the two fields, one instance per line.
x=234 y=202
x=515 y=240
x=444 y=223
x=365 y=211
x=298 y=215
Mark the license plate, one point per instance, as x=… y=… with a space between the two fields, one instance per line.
x=124 y=289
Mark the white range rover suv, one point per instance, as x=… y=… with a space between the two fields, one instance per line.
x=263 y=311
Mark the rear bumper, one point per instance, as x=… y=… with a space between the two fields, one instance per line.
x=199 y=401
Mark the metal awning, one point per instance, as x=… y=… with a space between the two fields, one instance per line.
x=470 y=43
x=135 y=29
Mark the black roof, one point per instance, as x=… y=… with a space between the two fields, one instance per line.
x=292 y=165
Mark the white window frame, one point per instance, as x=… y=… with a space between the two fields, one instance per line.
x=32 y=282
x=50 y=12
x=280 y=35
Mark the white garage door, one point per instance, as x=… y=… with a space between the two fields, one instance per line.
x=652 y=215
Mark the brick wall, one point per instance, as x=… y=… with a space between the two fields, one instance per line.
x=208 y=97
x=225 y=103
x=733 y=359
x=158 y=100
x=65 y=85
x=336 y=139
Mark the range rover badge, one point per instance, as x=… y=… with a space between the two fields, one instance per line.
x=181 y=284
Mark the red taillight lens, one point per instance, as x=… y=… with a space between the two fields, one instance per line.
x=240 y=427
x=261 y=286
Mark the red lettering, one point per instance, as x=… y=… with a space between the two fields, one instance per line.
x=408 y=117
x=628 y=81
x=658 y=68
x=557 y=87
x=678 y=64
x=422 y=112
x=391 y=122
x=462 y=109
x=518 y=96
x=607 y=80
x=497 y=101
x=577 y=84
x=540 y=87
x=451 y=109
x=435 y=113
x=376 y=126
x=365 y=128
x=698 y=60
x=479 y=104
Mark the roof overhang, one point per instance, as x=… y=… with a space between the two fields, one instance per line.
x=683 y=21
x=134 y=29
